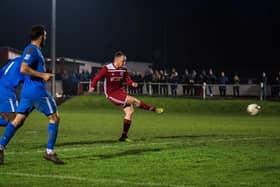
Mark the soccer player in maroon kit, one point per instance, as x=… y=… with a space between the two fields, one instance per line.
x=115 y=74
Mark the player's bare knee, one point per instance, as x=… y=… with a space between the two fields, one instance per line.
x=132 y=100
x=11 y=116
x=19 y=125
x=128 y=116
x=54 y=118
x=57 y=120
x=137 y=102
x=18 y=121
x=129 y=111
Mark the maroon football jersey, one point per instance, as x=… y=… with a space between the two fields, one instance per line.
x=114 y=78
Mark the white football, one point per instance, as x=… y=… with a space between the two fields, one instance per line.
x=253 y=109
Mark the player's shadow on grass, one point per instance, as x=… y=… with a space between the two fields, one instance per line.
x=186 y=136
x=114 y=155
x=90 y=142
x=127 y=153
x=86 y=142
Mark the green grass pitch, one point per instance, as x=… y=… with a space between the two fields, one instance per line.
x=194 y=143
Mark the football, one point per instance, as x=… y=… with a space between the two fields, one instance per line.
x=253 y=109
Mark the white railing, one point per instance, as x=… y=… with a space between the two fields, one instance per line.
x=193 y=90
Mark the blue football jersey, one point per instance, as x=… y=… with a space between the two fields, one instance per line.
x=10 y=76
x=34 y=87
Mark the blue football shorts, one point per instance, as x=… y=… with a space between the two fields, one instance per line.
x=8 y=104
x=45 y=105
x=8 y=100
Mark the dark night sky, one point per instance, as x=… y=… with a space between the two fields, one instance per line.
x=223 y=34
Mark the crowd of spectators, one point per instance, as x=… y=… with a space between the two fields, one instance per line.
x=71 y=81
x=159 y=81
x=192 y=81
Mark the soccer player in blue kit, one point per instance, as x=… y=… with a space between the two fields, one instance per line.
x=34 y=95
x=10 y=78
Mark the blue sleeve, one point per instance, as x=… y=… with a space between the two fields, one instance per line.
x=29 y=55
x=21 y=77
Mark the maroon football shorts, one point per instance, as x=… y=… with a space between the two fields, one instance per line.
x=118 y=97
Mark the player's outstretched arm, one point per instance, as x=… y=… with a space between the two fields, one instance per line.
x=129 y=81
x=26 y=69
x=97 y=77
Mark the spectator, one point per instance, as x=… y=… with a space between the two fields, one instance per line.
x=276 y=90
x=84 y=76
x=263 y=81
x=185 y=81
x=174 y=81
x=148 y=79
x=74 y=83
x=203 y=76
x=139 y=79
x=236 y=81
x=166 y=75
x=200 y=79
x=163 y=80
x=223 y=80
x=155 y=81
x=132 y=90
x=58 y=75
x=192 y=82
x=211 y=79
x=65 y=83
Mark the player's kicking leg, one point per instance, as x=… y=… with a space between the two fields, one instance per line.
x=142 y=105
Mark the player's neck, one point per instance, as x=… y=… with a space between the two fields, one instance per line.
x=36 y=43
x=116 y=65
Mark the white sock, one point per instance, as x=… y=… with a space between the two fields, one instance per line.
x=50 y=151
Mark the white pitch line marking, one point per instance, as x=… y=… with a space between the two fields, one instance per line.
x=90 y=180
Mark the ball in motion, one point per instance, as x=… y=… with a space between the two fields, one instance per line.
x=253 y=109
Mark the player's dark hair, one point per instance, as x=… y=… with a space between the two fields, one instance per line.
x=36 y=32
x=119 y=54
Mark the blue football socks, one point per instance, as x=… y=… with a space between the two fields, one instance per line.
x=7 y=135
x=52 y=131
x=3 y=122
